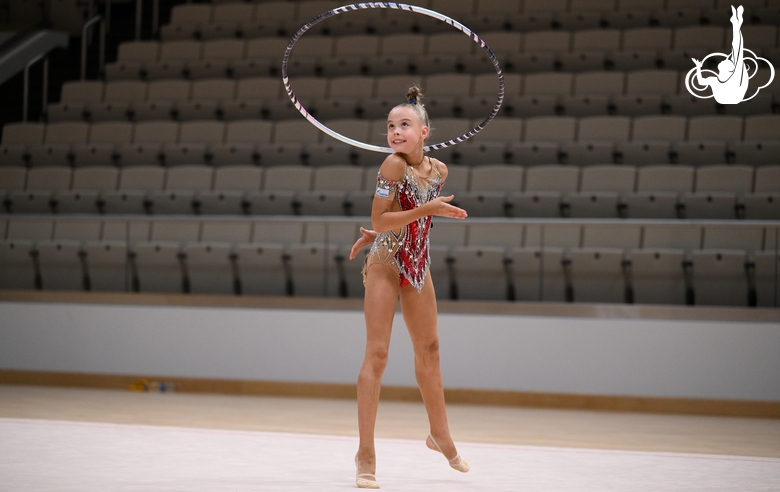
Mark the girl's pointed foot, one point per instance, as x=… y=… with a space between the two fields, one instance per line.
x=364 y=480
x=457 y=462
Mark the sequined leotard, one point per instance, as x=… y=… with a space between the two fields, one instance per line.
x=406 y=250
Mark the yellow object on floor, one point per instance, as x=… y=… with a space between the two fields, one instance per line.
x=140 y=385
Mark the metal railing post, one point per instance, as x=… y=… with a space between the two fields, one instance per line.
x=139 y=10
x=26 y=95
x=102 y=52
x=90 y=15
x=45 y=95
x=87 y=25
x=108 y=15
x=156 y=17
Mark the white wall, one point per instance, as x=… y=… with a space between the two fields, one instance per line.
x=654 y=358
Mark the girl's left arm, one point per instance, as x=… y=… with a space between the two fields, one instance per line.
x=368 y=236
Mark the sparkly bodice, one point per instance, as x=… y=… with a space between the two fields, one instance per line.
x=409 y=246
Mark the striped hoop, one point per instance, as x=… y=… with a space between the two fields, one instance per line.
x=397 y=6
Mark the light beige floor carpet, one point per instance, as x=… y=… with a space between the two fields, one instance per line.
x=46 y=455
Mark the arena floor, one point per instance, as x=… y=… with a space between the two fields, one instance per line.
x=83 y=439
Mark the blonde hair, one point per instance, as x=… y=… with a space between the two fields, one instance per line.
x=413 y=100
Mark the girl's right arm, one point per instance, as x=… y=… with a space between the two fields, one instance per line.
x=366 y=239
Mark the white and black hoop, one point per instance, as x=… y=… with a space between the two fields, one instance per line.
x=397 y=6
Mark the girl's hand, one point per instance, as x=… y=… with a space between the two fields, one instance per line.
x=366 y=239
x=697 y=62
x=440 y=207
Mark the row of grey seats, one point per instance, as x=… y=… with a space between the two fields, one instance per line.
x=634 y=93
x=422 y=55
x=438 y=107
x=690 y=236
x=309 y=8
x=202 y=22
x=501 y=43
x=662 y=264
x=610 y=83
x=278 y=109
x=417 y=65
x=606 y=191
x=537 y=140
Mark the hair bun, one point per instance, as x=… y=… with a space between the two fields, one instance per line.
x=414 y=94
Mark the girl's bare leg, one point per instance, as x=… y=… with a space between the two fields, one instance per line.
x=419 y=311
x=380 y=302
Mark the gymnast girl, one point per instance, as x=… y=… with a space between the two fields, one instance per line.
x=406 y=197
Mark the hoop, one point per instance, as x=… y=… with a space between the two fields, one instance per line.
x=397 y=6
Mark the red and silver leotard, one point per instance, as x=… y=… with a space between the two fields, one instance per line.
x=406 y=249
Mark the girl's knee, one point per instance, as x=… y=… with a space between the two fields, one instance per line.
x=428 y=352
x=432 y=347
x=377 y=355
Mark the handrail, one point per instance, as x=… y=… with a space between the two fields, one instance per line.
x=102 y=55
x=20 y=35
x=25 y=97
x=16 y=52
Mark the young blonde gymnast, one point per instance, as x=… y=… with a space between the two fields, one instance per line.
x=407 y=196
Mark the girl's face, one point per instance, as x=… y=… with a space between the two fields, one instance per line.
x=405 y=132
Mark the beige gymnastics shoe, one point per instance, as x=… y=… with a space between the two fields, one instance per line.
x=457 y=462
x=365 y=480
